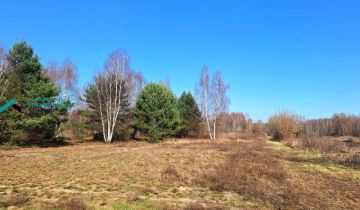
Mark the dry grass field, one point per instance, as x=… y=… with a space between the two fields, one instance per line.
x=176 y=174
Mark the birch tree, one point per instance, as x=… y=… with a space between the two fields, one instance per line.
x=135 y=84
x=212 y=99
x=3 y=65
x=69 y=75
x=219 y=100
x=110 y=87
x=65 y=77
x=203 y=92
x=52 y=71
x=166 y=82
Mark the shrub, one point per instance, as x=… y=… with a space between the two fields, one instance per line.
x=197 y=206
x=250 y=171
x=322 y=145
x=243 y=170
x=283 y=125
x=171 y=172
x=73 y=204
x=352 y=160
x=18 y=137
x=8 y=146
x=194 y=206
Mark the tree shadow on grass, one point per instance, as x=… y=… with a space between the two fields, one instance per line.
x=56 y=142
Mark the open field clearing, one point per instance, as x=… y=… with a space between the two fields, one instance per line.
x=182 y=174
x=190 y=115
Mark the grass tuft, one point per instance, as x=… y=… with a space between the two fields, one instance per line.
x=17 y=200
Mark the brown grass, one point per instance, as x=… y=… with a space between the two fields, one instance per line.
x=241 y=135
x=17 y=200
x=175 y=174
x=250 y=170
x=196 y=206
x=73 y=204
x=326 y=145
x=342 y=150
x=171 y=171
x=352 y=159
x=65 y=203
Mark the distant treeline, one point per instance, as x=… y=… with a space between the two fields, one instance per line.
x=119 y=104
x=240 y=123
x=285 y=125
x=339 y=125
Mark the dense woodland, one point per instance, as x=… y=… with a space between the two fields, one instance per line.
x=119 y=104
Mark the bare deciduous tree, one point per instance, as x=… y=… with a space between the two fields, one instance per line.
x=234 y=122
x=339 y=124
x=69 y=74
x=212 y=99
x=3 y=65
x=203 y=93
x=166 y=82
x=219 y=100
x=52 y=71
x=110 y=85
x=135 y=84
x=65 y=77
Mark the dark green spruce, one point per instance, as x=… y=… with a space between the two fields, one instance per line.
x=190 y=115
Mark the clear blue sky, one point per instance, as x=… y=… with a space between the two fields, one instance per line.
x=302 y=55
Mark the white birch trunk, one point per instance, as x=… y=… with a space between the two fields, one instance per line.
x=109 y=88
x=206 y=101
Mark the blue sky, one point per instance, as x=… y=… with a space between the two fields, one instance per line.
x=302 y=56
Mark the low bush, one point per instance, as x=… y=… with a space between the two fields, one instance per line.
x=197 y=206
x=325 y=145
x=343 y=150
x=8 y=146
x=172 y=174
x=251 y=170
x=352 y=160
x=284 y=125
x=171 y=171
x=73 y=204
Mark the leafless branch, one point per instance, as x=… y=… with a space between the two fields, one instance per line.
x=3 y=67
x=212 y=99
x=109 y=84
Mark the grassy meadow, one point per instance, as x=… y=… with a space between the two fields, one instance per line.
x=232 y=173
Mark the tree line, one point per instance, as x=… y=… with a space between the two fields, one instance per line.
x=117 y=104
x=285 y=125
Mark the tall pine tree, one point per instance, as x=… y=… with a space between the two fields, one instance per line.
x=190 y=114
x=156 y=114
x=28 y=81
